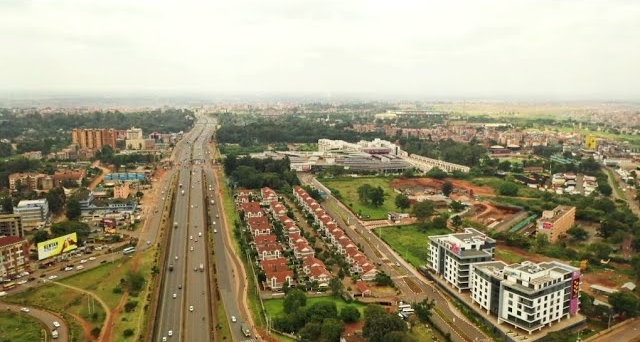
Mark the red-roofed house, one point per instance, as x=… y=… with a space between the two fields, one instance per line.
x=363 y=289
x=252 y=209
x=278 y=209
x=265 y=239
x=321 y=275
x=274 y=265
x=311 y=262
x=343 y=244
x=266 y=252
x=368 y=272
x=268 y=195
x=276 y=280
x=260 y=229
x=303 y=250
x=295 y=238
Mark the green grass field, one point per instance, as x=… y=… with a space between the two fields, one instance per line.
x=348 y=188
x=18 y=327
x=508 y=256
x=66 y=302
x=409 y=241
x=275 y=308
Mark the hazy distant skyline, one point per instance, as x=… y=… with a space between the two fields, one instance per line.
x=572 y=50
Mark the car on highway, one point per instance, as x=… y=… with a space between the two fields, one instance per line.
x=176 y=257
x=52 y=277
x=21 y=282
x=200 y=234
x=83 y=261
x=215 y=230
x=179 y=287
x=191 y=248
x=175 y=295
x=68 y=269
x=191 y=308
x=56 y=324
x=216 y=215
x=190 y=237
x=79 y=267
x=164 y=339
x=92 y=258
x=170 y=333
x=233 y=319
x=24 y=310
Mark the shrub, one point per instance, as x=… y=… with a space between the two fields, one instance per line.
x=127 y=333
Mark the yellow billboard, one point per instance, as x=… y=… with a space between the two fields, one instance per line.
x=57 y=246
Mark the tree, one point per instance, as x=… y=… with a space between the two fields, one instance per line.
x=379 y=323
x=625 y=303
x=423 y=309
x=436 y=173
x=600 y=250
x=383 y=279
x=635 y=265
x=133 y=280
x=40 y=236
x=7 y=205
x=604 y=189
x=294 y=300
x=578 y=233
x=336 y=286
x=68 y=227
x=349 y=314
x=456 y=221
x=370 y=196
x=311 y=331
x=377 y=197
x=331 y=329
x=56 y=199
x=447 y=188
x=508 y=189
x=402 y=202
x=423 y=210
x=139 y=194
x=74 y=210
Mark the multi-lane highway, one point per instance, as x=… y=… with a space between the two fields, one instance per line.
x=184 y=302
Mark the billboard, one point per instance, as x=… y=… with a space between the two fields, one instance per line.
x=57 y=246
x=547 y=225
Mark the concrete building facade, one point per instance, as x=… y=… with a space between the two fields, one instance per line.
x=555 y=223
x=14 y=256
x=11 y=225
x=94 y=139
x=34 y=212
x=451 y=255
x=526 y=295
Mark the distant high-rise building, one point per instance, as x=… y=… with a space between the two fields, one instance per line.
x=94 y=139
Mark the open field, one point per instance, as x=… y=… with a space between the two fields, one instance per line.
x=495 y=183
x=348 y=188
x=275 y=308
x=459 y=186
x=19 y=327
x=424 y=332
x=75 y=307
x=409 y=241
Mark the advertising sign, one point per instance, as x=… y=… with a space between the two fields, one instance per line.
x=547 y=225
x=57 y=246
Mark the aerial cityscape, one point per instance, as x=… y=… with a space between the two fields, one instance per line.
x=319 y=171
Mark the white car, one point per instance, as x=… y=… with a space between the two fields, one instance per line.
x=233 y=319
x=191 y=308
x=24 y=310
x=68 y=269
x=83 y=261
x=21 y=282
x=191 y=248
x=175 y=295
x=170 y=333
x=52 y=277
x=79 y=267
x=92 y=258
x=164 y=339
x=200 y=234
x=176 y=257
x=56 y=324
x=215 y=230
x=190 y=237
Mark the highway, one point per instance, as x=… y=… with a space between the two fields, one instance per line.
x=177 y=295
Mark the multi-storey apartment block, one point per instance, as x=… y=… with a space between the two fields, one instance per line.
x=555 y=223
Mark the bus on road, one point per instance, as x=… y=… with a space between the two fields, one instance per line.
x=128 y=250
x=9 y=285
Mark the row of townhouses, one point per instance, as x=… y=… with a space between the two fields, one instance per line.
x=260 y=217
x=525 y=295
x=336 y=237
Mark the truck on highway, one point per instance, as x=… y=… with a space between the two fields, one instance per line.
x=245 y=329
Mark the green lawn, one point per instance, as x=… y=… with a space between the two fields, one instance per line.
x=275 y=308
x=66 y=302
x=508 y=257
x=348 y=188
x=409 y=241
x=18 y=327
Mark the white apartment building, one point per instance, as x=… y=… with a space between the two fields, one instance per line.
x=451 y=255
x=528 y=296
x=33 y=212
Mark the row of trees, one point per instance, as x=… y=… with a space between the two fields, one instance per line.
x=449 y=150
x=253 y=173
x=371 y=196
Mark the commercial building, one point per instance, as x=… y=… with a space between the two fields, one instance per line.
x=34 y=212
x=451 y=255
x=555 y=223
x=94 y=139
x=14 y=256
x=32 y=181
x=11 y=225
x=121 y=191
x=526 y=295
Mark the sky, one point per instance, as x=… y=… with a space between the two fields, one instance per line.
x=429 y=49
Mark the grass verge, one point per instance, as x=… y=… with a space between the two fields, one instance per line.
x=18 y=327
x=348 y=188
x=275 y=307
x=409 y=241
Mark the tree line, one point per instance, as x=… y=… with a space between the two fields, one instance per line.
x=253 y=173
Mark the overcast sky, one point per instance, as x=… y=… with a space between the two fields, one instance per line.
x=454 y=49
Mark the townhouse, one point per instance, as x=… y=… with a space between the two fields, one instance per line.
x=277 y=273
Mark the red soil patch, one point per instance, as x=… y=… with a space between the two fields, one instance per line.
x=353 y=327
x=485 y=212
x=436 y=184
x=86 y=327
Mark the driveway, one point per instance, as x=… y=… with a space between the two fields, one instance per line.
x=46 y=317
